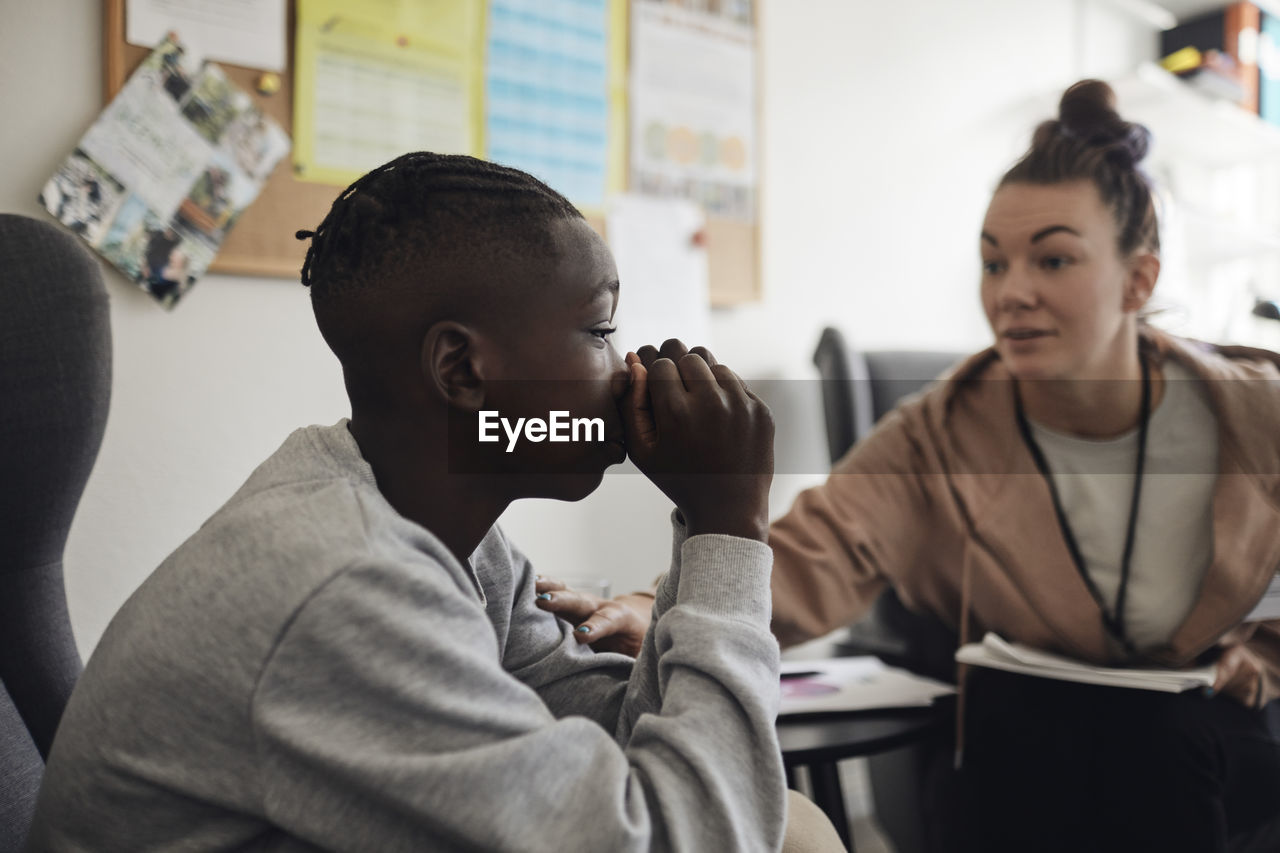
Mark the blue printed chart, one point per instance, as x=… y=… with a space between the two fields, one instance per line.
x=547 y=93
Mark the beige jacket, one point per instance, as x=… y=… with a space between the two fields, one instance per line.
x=944 y=502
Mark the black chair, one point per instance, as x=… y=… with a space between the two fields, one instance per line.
x=55 y=382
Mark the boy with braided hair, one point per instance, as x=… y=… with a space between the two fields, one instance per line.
x=348 y=654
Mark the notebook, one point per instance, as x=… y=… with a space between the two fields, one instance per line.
x=997 y=653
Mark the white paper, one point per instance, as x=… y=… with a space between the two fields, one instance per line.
x=662 y=271
x=693 y=108
x=854 y=684
x=996 y=653
x=242 y=32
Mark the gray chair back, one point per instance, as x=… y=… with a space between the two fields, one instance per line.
x=859 y=388
x=55 y=383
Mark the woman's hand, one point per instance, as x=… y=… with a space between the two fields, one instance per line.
x=1239 y=676
x=607 y=624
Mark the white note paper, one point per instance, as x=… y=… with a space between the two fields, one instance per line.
x=662 y=269
x=242 y=32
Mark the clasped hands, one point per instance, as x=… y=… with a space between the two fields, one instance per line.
x=706 y=441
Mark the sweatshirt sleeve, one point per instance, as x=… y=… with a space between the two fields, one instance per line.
x=574 y=679
x=385 y=720
x=840 y=542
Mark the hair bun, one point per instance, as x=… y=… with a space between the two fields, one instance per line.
x=1087 y=112
x=1089 y=103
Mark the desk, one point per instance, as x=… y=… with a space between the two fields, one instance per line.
x=819 y=742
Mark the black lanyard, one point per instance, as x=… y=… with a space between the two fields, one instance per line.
x=1114 y=621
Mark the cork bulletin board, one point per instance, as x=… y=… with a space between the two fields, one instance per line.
x=263 y=244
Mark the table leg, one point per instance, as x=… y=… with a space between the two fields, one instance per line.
x=828 y=795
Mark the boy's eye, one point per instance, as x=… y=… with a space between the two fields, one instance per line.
x=603 y=333
x=991 y=267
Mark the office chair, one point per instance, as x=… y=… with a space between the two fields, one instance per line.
x=55 y=383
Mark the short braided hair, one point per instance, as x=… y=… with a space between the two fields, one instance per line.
x=1090 y=141
x=394 y=218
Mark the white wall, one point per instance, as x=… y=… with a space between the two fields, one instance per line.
x=885 y=125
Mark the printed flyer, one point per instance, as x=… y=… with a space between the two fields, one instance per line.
x=162 y=175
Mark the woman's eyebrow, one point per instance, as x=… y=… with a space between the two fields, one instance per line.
x=1042 y=233
x=1053 y=229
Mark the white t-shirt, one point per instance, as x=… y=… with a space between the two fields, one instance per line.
x=1173 y=543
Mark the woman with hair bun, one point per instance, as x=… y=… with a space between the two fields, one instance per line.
x=1090 y=486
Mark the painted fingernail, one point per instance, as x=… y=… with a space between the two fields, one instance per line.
x=544 y=596
x=583 y=629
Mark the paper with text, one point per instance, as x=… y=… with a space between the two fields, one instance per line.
x=549 y=93
x=377 y=80
x=242 y=32
x=693 y=107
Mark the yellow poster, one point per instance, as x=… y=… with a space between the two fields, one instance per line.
x=380 y=78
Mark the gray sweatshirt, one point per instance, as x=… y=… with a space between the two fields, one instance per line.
x=313 y=670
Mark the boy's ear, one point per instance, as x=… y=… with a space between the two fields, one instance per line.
x=454 y=364
x=1144 y=269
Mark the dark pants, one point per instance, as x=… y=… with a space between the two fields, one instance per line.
x=1056 y=766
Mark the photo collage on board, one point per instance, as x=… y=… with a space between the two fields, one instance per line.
x=162 y=175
